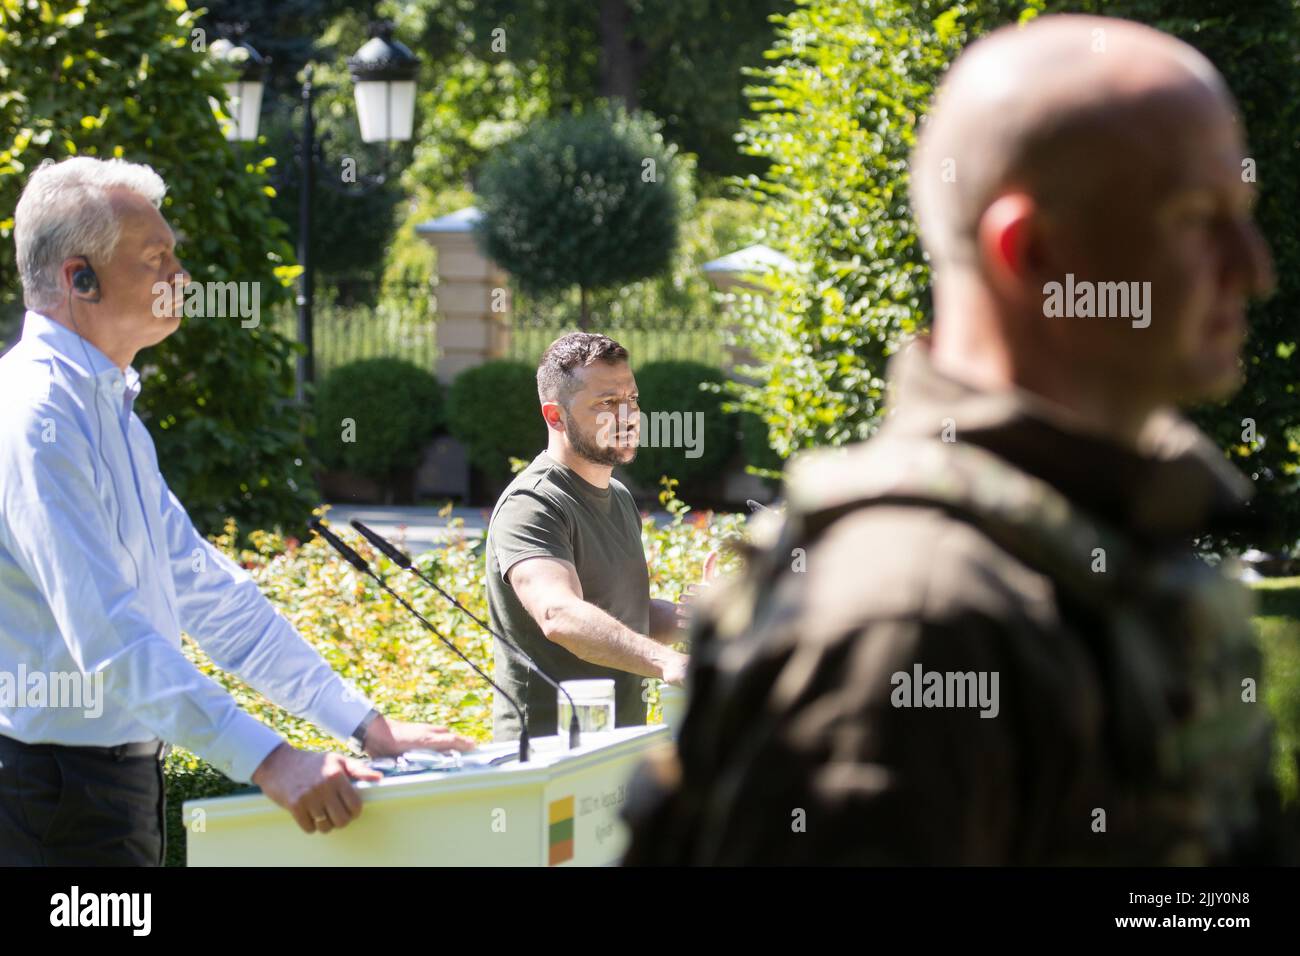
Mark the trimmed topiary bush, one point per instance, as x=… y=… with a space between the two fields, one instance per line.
x=590 y=199
x=493 y=410
x=668 y=388
x=375 y=416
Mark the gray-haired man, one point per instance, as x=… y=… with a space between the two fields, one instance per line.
x=101 y=569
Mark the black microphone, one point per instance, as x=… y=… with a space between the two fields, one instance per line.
x=362 y=565
x=403 y=560
x=350 y=556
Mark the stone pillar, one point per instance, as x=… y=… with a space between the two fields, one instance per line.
x=473 y=296
x=473 y=326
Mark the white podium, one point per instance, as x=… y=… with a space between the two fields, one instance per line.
x=559 y=809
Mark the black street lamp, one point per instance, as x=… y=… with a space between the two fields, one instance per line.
x=383 y=74
x=244 y=94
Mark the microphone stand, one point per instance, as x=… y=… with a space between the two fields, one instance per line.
x=403 y=561
x=360 y=563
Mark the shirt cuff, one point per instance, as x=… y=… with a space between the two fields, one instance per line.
x=243 y=747
x=342 y=708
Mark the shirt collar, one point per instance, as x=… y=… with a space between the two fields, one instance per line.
x=76 y=350
x=580 y=482
x=1177 y=485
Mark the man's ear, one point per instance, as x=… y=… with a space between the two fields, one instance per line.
x=551 y=412
x=1010 y=242
x=80 y=279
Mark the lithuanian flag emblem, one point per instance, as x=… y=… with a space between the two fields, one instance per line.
x=560 y=831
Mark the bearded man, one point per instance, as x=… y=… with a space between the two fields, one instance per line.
x=567 y=576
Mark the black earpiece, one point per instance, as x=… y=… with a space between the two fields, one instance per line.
x=85 y=283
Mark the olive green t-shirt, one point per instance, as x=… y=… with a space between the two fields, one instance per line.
x=550 y=511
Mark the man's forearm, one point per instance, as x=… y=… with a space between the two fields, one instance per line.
x=597 y=637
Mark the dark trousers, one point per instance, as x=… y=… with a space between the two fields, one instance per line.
x=80 y=806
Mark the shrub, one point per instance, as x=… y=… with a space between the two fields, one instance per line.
x=492 y=409
x=681 y=386
x=375 y=416
x=589 y=199
x=835 y=114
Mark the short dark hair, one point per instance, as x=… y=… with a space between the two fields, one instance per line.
x=575 y=349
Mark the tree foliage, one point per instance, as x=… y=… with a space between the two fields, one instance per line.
x=681 y=61
x=835 y=114
x=352 y=219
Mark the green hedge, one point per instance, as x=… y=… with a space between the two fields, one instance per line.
x=375 y=416
x=493 y=410
x=680 y=386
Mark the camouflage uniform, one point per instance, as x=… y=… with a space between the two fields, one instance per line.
x=1059 y=561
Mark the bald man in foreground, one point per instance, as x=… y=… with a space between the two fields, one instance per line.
x=1002 y=649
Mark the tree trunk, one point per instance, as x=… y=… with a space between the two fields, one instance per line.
x=584 y=315
x=620 y=57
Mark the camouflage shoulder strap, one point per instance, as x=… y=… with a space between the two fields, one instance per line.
x=1027 y=517
x=1021 y=513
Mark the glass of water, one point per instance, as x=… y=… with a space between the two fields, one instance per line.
x=594 y=700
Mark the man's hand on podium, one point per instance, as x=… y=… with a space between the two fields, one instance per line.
x=391 y=738
x=315 y=787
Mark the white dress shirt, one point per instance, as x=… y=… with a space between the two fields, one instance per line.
x=101 y=569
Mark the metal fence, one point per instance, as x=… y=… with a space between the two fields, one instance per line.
x=408 y=330
x=647 y=340
x=398 y=327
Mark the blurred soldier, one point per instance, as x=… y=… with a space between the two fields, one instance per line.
x=982 y=637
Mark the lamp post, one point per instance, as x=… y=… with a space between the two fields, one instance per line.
x=307 y=280
x=383 y=74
